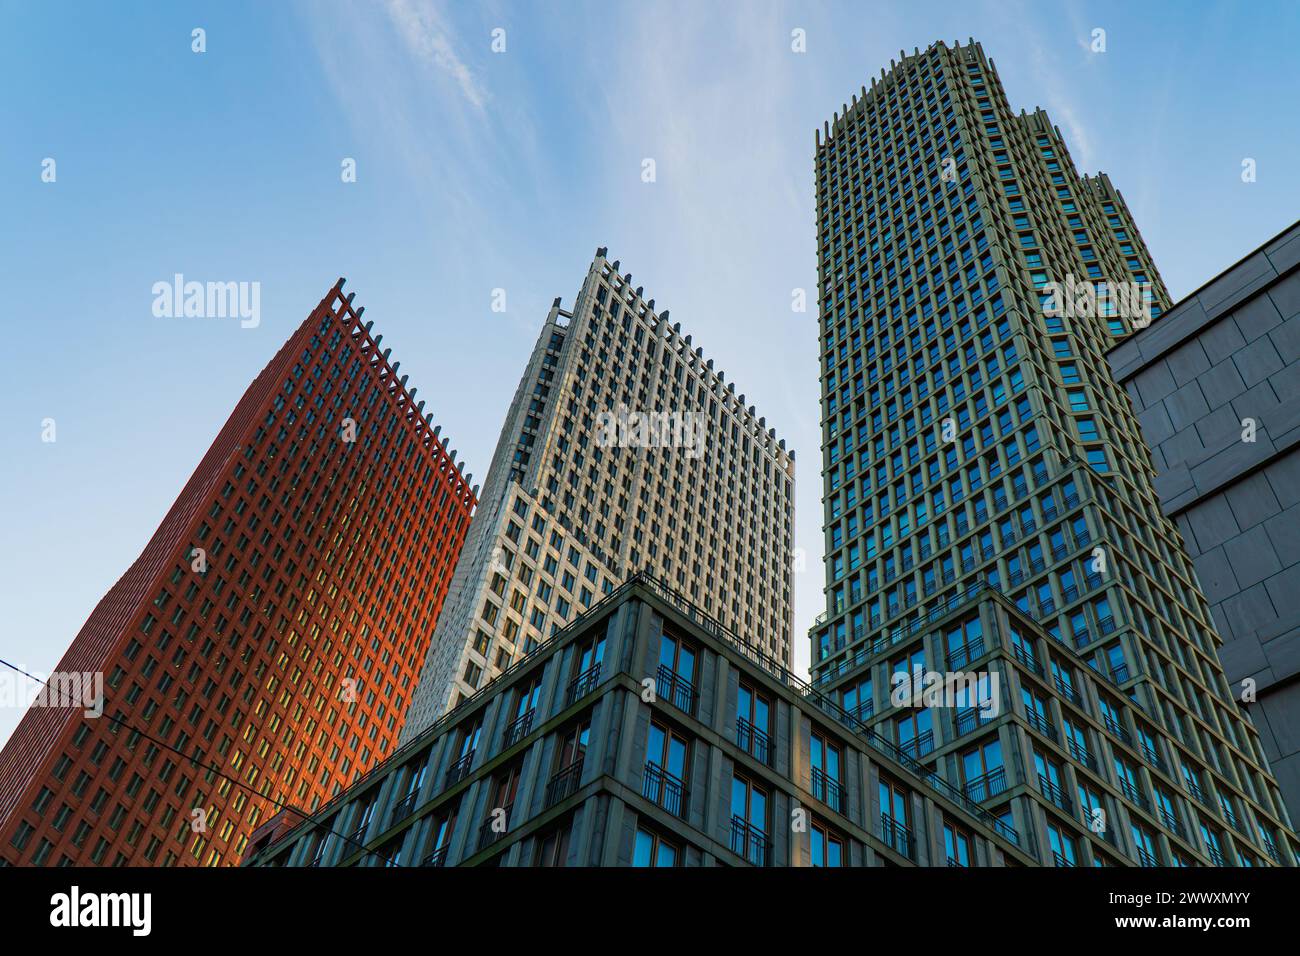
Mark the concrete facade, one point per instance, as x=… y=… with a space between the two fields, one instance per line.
x=972 y=282
x=1216 y=387
x=613 y=801
x=571 y=507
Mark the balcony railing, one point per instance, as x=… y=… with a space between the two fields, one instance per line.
x=1081 y=753
x=358 y=835
x=1027 y=658
x=970 y=719
x=919 y=746
x=986 y=786
x=1171 y=822
x=564 y=783
x=1270 y=846
x=753 y=741
x=963 y=655
x=1041 y=724
x=663 y=789
x=750 y=842
x=1117 y=730
x=1055 y=794
x=827 y=790
x=403 y=808
x=582 y=685
x=494 y=827
x=897 y=837
x=1146 y=857
x=863 y=711
x=1131 y=791
x=438 y=857
x=677 y=690
x=1152 y=757
x=460 y=769
x=1066 y=690
x=519 y=728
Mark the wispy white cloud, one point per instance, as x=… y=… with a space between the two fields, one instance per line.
x=425 y=31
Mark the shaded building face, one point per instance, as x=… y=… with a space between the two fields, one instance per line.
x=973 y=437
x=262 y=650
x=1216 y=387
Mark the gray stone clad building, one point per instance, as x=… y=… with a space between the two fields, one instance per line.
x=646 y=734
x=1216 y=385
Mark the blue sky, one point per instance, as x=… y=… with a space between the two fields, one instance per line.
x=479 y=171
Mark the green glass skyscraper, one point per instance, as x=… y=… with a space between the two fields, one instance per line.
x=974 y=442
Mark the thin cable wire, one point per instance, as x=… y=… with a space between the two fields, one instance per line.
x=306 y=817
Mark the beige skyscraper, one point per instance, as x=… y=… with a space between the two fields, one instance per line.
x=624 y=450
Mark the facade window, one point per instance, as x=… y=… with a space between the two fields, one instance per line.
x=651 y=850
x=826 y=758
x=983 y=773
x=444 y=824
x=754 y=723
x=749 y=825
x=896 y=817
x=826 y=847
x=553 y=849
x=676 y=677
x=1062 y=845
x=667 y=761
x=957 y=843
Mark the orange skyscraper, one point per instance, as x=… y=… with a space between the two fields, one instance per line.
x=262 y=650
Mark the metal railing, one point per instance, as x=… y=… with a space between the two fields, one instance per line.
x=919 y=746
x=488 y=833
x=459 y=770
x=1055 y=794
x=519 y=728
x=664 y=789
x=564 y=783
x=676 y=690
x=403 y=808
x=965 y=654
x=1134 y=795
x=753 y=741
x=750 y=842
x=1041 y=723
x=438 y=857
x=827 y=790
x=582 y=685
x=1081 y=753
x=897 y=837
x=988 y=785
x=971 y=719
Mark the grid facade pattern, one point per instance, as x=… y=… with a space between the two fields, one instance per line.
x=973 y=438
x=284 y=654
x=566 y=514
x=563 y=761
